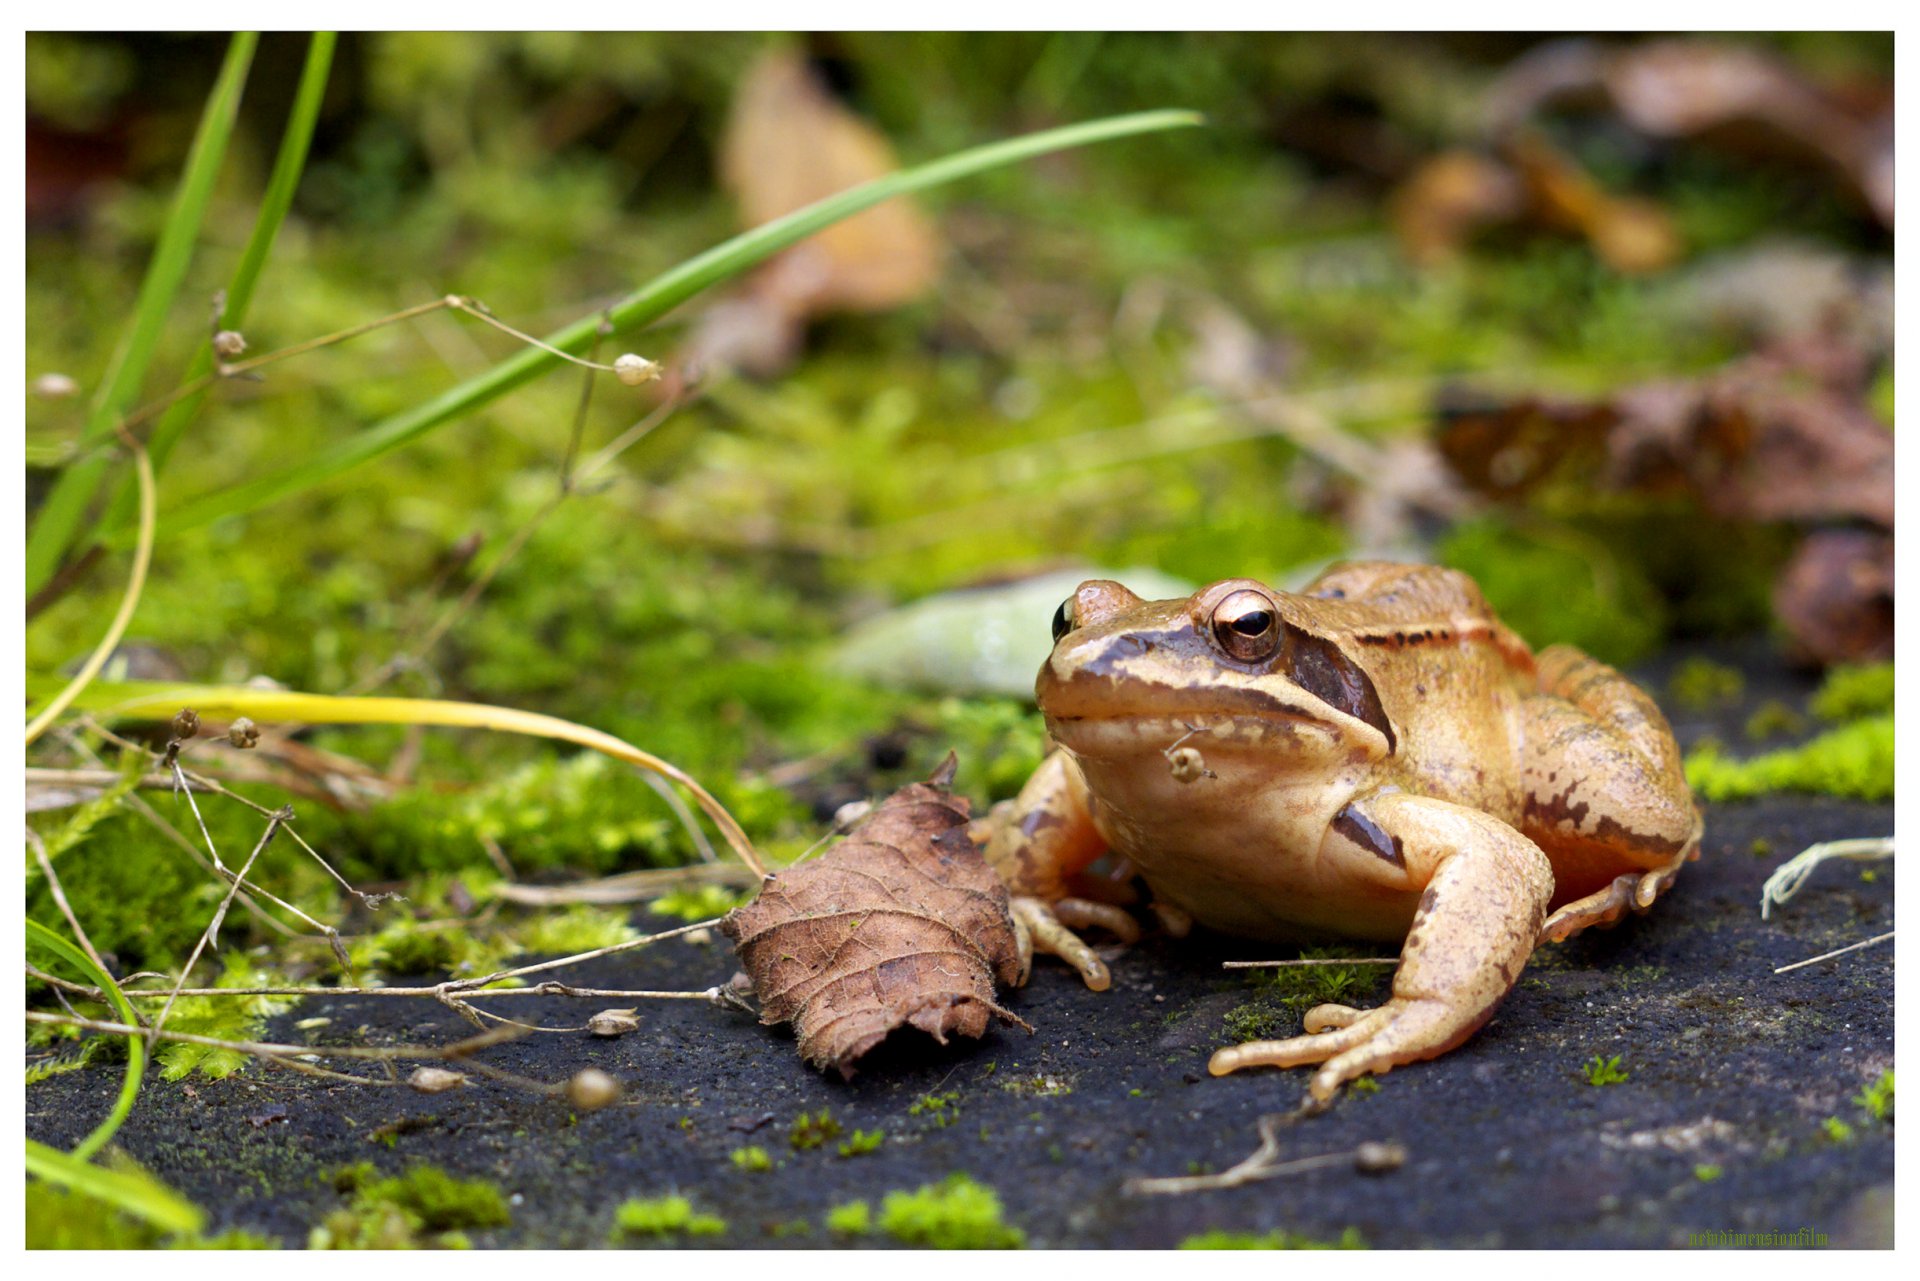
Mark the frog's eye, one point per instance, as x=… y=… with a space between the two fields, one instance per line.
x=1063 y=619
x=1246 y=626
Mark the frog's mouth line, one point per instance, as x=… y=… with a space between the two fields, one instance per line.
x=1203 y=728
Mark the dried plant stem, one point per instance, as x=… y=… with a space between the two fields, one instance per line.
x=267 y=1049
x=129 y=601
x=1790 y=876
x=59 y=894
x=212 y=931
x=464 y=986
x=321 y=709
x=172 y=833
x=1263 y=1163
x=1311 y=960
x=1838 y=951
x=628 y=887
x=710 y=995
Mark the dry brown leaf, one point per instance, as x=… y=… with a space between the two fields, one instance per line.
x=790 y=143
x=1458 y=194
x=1727 y=94
x=1835 y=597
x=1784 y=435
x=900 y=924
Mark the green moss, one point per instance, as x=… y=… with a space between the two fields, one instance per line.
x=1700 y=684
x=1364 y=1085
x=425 y=1206
x=699 y=902
x=753 y=1159
x=942 y=1109
x=854 y=1219
x=1877 y=1097
x=664 y=1216
x=954 y=1214
x=579 y=928
x=1773 y=718
x=1853 y=691
x=1040 y=1085
x=1607 y=1071
x=811 y=1131
x=1855 y=760
x=227 y=1018
x=1283 y=993
x=1707 y=1173
x=1278 y=1239
x=861 y=1142
x=1837 y=1130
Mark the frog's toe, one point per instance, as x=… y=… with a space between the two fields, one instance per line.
x=1362 y=1042
x=1329 y=1018
x=1299 y=1050
x=1049 y=935
x=1080 y=914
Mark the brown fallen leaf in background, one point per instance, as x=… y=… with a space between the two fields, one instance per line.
x=900 y=924
x=1459 y=194
x=1727 y=95
x=1836 y=596
x=1782 y=436
x=789 y=142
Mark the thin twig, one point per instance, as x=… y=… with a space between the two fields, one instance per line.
x=1311 y=960
x=464 y=986
x=1838 y=951
x=550 y=988
x=629 y=887
x=212 y=931
x=60 y=899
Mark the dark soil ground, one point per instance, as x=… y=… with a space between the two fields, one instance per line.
x=1731 y=1066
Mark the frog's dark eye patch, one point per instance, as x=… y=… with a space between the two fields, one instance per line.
x=1317 y=665
x=1246 y=626
x=1063 y=619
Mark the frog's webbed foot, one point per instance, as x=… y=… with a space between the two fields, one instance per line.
x=1485 y=891
x=1350 y=1043
x=1606 y=907
x=1042 y=926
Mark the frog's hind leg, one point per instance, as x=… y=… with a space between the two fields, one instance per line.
x=1486 y=889
x=1606 y=796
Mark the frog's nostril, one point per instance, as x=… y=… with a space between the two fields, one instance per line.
x=1096 y=601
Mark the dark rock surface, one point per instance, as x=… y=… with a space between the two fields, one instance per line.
x=1731 y=1066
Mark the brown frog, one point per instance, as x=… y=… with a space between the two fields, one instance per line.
x=1377 y=757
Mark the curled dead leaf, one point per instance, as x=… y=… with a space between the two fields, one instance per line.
x=900 y=924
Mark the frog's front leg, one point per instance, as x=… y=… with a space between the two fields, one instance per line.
x=1483 y=889
x=1045 y=839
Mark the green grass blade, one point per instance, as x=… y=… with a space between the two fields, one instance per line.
x=136 y=1192
x=136 y=1047
x=66 y=506
x=288 y=165
x=650 y=303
